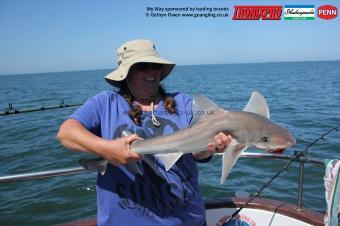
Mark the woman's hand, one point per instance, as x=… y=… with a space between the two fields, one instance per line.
x=118 y=152
x=73 y=135
x=217 y=145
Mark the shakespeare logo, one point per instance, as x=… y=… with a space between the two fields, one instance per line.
x=299 y=12
x=327 y=12
x=257 y=12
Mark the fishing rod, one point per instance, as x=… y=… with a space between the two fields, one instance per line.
x=298 y=155
x=11 y=111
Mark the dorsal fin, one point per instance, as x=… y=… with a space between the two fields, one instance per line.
x=202 y=105
x=257 y=104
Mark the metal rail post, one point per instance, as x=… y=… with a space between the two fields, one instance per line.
x=299 y=200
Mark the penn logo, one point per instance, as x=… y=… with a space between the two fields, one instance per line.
x=257 y=12
x=327 y=12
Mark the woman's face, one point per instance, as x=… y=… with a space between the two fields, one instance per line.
x=143 y=80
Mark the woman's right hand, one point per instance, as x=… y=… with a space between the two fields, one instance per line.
x=75 y=136
x=118 y=151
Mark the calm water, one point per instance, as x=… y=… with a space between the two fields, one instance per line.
x=305 y=97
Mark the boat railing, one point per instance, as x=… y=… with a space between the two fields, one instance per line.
x=76 y=170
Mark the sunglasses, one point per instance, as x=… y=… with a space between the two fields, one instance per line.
x=147 y=66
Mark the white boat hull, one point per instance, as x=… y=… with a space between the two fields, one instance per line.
x=260 y=212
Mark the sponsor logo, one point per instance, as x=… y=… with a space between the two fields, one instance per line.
x=257 y=12
x=299 y=12
x=240 y=219
x=327 y=12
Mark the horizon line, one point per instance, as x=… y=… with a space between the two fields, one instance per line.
x=177 y=65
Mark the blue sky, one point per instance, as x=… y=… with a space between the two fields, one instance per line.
x=61 y=35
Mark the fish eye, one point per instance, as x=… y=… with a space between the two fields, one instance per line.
x=265 y=139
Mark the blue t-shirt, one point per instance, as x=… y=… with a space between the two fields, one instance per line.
x=151 y=198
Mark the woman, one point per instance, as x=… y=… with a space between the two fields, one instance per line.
x=152 y=196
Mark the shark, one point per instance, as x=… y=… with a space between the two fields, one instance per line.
x=249 y=128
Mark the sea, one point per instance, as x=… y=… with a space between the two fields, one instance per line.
x=302 y=96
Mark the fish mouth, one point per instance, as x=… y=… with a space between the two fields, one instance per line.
x=281 y=148
x=277 y=150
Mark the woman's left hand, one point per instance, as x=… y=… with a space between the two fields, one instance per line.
x=217 y=145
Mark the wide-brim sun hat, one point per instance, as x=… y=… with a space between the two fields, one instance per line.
x=137 y=51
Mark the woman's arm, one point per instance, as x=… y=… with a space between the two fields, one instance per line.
x=73 y=135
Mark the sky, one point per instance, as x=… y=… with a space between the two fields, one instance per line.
x=39 y=36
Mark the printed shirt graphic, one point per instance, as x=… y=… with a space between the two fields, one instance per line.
x=151 y=198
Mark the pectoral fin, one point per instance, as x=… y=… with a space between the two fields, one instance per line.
x=169 y=159
x=230 y=156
